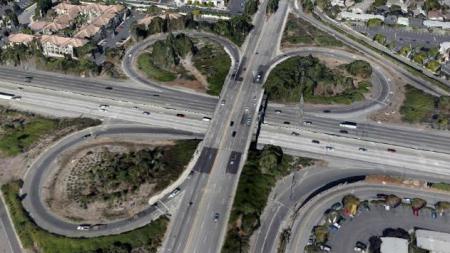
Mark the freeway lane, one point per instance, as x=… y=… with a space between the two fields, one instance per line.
x=42 y=167
x=350 y=148
x=10 y=242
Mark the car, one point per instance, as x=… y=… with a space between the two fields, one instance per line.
x=216 y=217
x=180 y=115
x=135 y=107
x=28 y=79
x=103 y=110
x=333 y=228
x=87 y=136
x=231 y=123
x=233 y=134
x=286 y=122
x=362 y=149
x=103 y=106
x=18 y=98
x=433 y=214
x=360 y=247
x=174 y=193
x=277 y=111
x=258 y=77
x=325 y=248
x=326 y=111
x=206 y=119
x=391 y=150
x=108 y=88
x=343 y=131
x=307 y=123
x=381 y=196
x=295 y=134
x=336 y=206
x=315 y=141
x=249 y=121
x=406 y=201
x=329 y=148
x=83 y=227
x=155 y=95
x=146 y=113
x=222 y=102
x=129 y=55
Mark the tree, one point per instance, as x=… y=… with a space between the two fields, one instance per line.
x=42 y=7
x=250 y=8
x=380 y=38
x=359 y=68
x=430 y=5
x=374 y=22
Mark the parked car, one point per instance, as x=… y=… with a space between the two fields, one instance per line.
x=360 y=247
x=174 y=193
x=84 y=227
x=337 y=206
x=307 y=123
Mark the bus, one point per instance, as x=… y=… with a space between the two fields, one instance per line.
x=348 y=124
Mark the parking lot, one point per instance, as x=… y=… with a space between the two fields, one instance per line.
x=373 y=222
x=403 y=37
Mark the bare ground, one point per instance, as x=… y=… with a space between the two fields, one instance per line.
x=56 y=194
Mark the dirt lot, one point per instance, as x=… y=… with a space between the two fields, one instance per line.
x=70 y=167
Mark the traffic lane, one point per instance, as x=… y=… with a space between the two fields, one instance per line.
x=34 y=181
x=177 y=99
x=426 y=139
x=8 y=237
x=374 y=222
x=335 y=146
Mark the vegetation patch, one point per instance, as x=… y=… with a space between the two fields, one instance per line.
x=146 y=239
x=420 y=107
x=260 y=173
x=114 y=177
x=299 y=32
x=168 y=57
x=19 y=131
x=319 y=84
x=206 y=61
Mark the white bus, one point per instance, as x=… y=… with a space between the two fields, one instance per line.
x=4 y=95
x=348 y=124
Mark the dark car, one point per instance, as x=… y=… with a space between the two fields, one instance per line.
x=342 y=131
x=315 y=141
x=216 y=217
x=108 y=88
x=231 y=123
x=180 y=115
x=391 y=150
x=233 y=134
x=286 y=122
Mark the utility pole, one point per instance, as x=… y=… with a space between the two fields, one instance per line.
x=301 y=109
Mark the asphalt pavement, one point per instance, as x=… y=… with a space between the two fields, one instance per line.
x=9 y=242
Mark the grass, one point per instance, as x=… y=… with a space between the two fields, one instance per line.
x=441 y=186
x=299 y=32
x=146 y=65
x=20 y=130
x=206 y=61
x=149 y=236
x=417 y=106
x=260 y=173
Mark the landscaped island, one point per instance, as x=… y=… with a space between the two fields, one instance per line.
x=307 y=75
x=181 y=60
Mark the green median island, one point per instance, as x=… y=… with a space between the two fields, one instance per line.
x=344 y=83
x=20 y=131
x=33 y=238
x=192 y=63
x=261 y=171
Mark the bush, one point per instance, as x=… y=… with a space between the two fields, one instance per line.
x=417 y=106
x=374 y=22
x=359 y=68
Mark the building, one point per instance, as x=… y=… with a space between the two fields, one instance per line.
x=435 y=15
x=402 y=3
x=220 y=4
x=403 y=21
x=57 y=46
x=393 y=245
x=20 y=38
x=362 y=6
x=345 y=15
x=436 y=24
x=435 y=242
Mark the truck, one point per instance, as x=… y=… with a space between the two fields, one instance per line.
x=4 y=95
x=348 y=124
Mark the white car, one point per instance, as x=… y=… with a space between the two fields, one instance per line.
x=83 y=227
x=329 y=148
x=103 y=106
x=174 y=193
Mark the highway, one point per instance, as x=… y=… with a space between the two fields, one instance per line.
x=46 y=163
x=195 y=228
x=9 y=243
